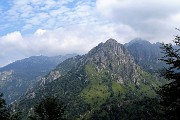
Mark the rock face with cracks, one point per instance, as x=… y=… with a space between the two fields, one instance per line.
x=86 y=82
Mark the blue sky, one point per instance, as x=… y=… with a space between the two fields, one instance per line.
x=53 y=27
x=27 y=16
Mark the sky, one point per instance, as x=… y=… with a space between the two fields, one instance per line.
x=58 y=27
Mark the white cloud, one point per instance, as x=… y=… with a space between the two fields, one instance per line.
x=175 y=18
x=73 y=39
x=145 y=9
x=40 y=32
x=48 y=14
x=68 y=26
x=12 y=47
x=12 y=41
x=152 y=19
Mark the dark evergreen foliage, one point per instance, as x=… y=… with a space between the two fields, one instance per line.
x=170 y=92
x=4 y=113
x=16 y=116
x=50 y=108
x=137 y=109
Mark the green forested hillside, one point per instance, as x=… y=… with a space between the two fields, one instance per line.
x=100 y=84
x=17 y=77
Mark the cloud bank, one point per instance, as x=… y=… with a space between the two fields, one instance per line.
x=53 y=27
x=151 y=19
x=74 y=39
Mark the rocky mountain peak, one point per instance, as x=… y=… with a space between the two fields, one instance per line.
x=106 y=72
x=138 y=41
x=110 y=41
x=110 y=46
x=112 y=56
x=111 y=50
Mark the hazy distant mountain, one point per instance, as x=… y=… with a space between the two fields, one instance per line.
x=18 y=76
x=107 y=72
x=146 y=54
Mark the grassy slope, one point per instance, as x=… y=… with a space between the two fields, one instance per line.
x=102 y=88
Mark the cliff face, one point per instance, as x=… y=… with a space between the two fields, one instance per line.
x=114 y=58
x=86 y=82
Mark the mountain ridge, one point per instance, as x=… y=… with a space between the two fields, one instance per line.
x=86 y=82
x=17 y=77
x=146 y=54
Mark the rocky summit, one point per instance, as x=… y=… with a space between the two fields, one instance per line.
x=86 y=83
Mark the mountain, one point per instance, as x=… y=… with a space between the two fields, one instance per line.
x=18 y=76
x=146 y=54
x=86 y=83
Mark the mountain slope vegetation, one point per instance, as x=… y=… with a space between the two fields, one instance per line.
x=86 y=83
x=17 y=77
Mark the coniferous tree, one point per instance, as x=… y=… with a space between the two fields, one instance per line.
x=4 y=113
x=50 y=108
x=170 y=93
x=15 y=116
